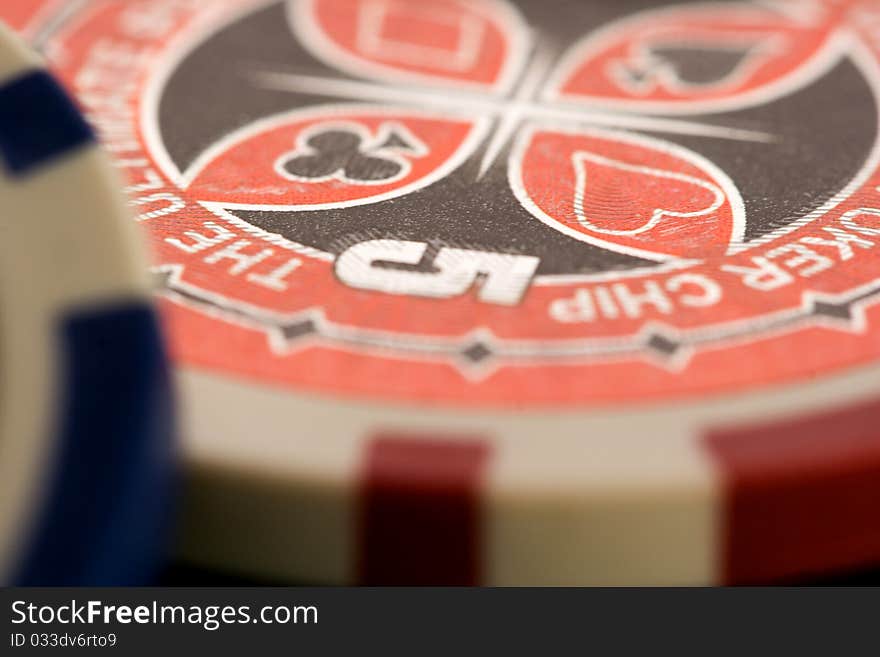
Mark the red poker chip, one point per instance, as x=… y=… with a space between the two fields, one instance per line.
x=509 y=292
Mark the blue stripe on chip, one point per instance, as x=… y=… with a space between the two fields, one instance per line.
x=109 y=492
x=38 y=123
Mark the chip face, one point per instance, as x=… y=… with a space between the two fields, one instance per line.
x=480 y=200
x=28 y=16
x=490 y=218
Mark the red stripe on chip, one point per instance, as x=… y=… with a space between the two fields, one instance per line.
x=801 y=496
x=421 y=518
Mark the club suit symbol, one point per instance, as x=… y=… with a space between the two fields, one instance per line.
x=348 y=153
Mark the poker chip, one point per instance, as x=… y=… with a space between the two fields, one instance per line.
x=85 y=451
x=509 y=292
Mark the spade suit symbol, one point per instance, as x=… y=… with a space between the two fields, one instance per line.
x=686 y=65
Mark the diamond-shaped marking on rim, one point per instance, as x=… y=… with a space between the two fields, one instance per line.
x=663 y=345
x=295 y=330
x=477 y=352
x=833 y=310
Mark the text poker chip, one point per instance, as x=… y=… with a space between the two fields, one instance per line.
x=85 y=452
x=496 y=292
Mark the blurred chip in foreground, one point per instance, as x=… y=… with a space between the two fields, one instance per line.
x=85 y=452
x=534 y=292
